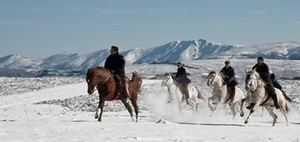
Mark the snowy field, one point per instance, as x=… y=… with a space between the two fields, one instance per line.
x=61 y=110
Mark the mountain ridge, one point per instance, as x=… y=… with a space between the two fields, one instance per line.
x=182 y=50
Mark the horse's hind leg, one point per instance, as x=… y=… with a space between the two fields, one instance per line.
x=286 y=119
x=126 y=104
x=136 y=109
x=284 y=111
x=270 y=110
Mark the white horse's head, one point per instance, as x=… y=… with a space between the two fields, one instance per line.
x=168 y=81
x=252 y=81
x=213 y=78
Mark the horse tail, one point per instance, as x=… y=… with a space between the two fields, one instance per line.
x=286 y=97
x=199 y=95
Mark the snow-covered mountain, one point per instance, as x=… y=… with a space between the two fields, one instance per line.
x=168 y=53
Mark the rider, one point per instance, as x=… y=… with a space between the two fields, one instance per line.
x=230 y=80
x=115 y=63
x=264 y=73
x=182 y=80
x=275 y=82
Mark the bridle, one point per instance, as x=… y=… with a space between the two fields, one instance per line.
x=212 y=80
x=251 y=84
x=165 y=81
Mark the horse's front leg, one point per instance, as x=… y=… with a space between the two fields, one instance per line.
x=209 y=100
x=242 y=108
x=252 y=110
x=98 y=110
x=101 y=103
x=232 y=108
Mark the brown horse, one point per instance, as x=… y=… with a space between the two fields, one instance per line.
x=109 y=91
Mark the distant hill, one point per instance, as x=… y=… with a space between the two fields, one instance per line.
x=168 y=53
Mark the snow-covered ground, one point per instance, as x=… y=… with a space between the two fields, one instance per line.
x=66 y=113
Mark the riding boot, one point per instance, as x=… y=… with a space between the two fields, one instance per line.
x=271 y=92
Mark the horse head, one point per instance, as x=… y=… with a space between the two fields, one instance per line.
x=96 y=76
x=251 y=80
x=211 y=77
x=169 y=80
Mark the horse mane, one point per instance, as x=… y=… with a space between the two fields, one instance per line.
x=91 y=70
x=212 y=72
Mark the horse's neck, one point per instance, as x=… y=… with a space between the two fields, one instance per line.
x=218 y=82
x=259 y=91
x=172 y=87
x=220 y=90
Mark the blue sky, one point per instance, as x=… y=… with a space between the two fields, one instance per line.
x=39 y=28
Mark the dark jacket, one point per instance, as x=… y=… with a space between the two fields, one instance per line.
x=229 y=75
x=263 y=71
x=181 y=76
x=228 y=72
x=116 y=64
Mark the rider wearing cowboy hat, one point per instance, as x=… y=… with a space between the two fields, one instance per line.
x=182 y=80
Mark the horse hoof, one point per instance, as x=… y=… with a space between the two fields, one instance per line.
x=242 y=114
x=246 y=122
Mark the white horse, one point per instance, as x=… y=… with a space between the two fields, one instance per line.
x=219 y=93
x=195 y=97
x=258 y=95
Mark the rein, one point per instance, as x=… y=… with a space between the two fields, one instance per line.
x=252 y=93
x=108 y=77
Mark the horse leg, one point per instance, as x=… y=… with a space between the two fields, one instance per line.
x=101 y=103
x=284 y=110
x=98 y=110
x=209 y=105
x=232 y=108
x=212 y=108
x=134 y=104
x=126 y=104
x=252 y=110
x=262 y=112
x=215 y=108
x=242 y=108
x=197 y=107
x=270 y=110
